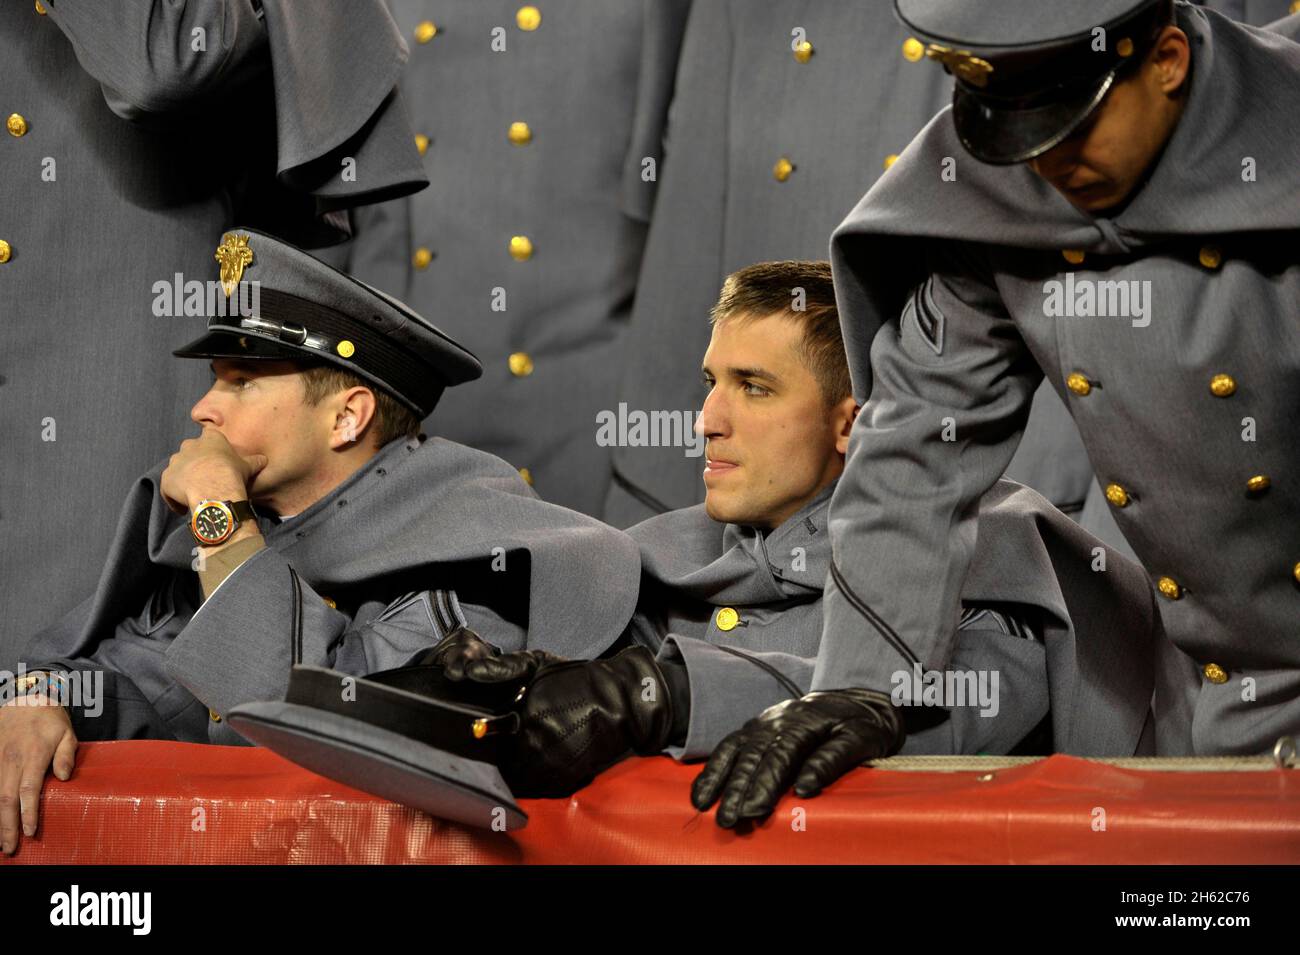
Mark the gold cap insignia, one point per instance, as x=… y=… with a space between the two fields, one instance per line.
x=962 y=63
x=233 y=253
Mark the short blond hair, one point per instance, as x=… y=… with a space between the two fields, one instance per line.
x=392 y=418
x=769 y=288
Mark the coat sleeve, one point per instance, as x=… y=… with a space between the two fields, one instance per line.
x=159 y=56
x=952 y=386
x=314 y=82
x=729 y=686
x=241 y=644
x=107 y=704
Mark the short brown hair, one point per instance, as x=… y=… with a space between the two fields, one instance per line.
x=392 y=418
x=770 y=288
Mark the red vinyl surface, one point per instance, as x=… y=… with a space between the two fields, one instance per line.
x=152 y=802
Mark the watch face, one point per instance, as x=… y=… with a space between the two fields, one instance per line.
x=211 y=523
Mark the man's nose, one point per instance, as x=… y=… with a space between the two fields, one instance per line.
x=1057 y=161
x=205 y=411
x=712 y=419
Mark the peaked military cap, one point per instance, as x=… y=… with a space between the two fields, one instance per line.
x=281 y=303
x=1030 y=72
x=408 y=734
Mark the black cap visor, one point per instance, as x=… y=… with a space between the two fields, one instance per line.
x=231 y=343
x=1003 y=131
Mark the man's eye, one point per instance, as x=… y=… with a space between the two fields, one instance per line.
x=242 y=383
x=754 y=389
x=707 y=382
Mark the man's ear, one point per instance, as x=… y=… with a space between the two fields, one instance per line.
x=355 y=409
x=843 y=415
x=1171 y=58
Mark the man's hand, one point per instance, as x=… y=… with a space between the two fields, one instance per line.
x=208 y=468
x=33 y=731
x=581 y=716
x=811 y=742
x=464 y=655
x=457 y=649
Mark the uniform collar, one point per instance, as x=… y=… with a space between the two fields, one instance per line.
x=352 y=488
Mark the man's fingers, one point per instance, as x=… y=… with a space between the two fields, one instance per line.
x=11 y=766
x=759 y=779
x=507 y=667
x=29 y=792
x=65 y=756
x=255 y=462
x=835 y=757
x=708 y=784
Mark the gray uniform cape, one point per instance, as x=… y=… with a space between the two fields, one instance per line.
x=972 y=266
x=396 y=548
x=138 y=150
x=1033 y=563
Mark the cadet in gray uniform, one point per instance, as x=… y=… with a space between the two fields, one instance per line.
x=134 y=133
x=1123 y=143
x=369 y=543
x=729 y=615
x=540 y=126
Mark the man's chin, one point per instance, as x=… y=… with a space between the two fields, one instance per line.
x=718 y=509
x=1094 y=201
x=726 y=511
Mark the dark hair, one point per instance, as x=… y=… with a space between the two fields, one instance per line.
x=392 y=418
x=774 y=288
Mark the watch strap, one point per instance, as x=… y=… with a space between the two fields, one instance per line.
x=242 y=510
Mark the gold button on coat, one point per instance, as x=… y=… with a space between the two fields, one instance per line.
x=1211 y=257
x=727 y=619
x=214 y=716
x=4 y=251
x=1295 y=6
x=891 y=159
x=520 y=134
x=1258 y=484
x=781 y=171
x=329 y=602
x=521 y=247
x=16 y=125
x=421 y=258
x=1074 y=256
x=529 y=18
x=1215 y=673
x=1117 y=495
x=40 y=8
x=1169 y=588
x=1124 y=47
x=1079 y=384
x=913 y=49
x=520 y=364
x=425 y=32
x=1223 y=386
x=803 y=52
x=527 y=475
x=1295 y=572
x=421 y=143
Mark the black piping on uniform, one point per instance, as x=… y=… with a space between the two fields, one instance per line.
x=873 y=618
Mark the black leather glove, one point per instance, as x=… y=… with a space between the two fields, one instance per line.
x=521 y=665
x=579 y=717
x=458 y=649
x=811 y=741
